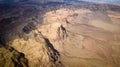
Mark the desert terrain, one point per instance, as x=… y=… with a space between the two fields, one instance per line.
x=59 y=34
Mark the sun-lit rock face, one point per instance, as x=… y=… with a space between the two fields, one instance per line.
x=9 y=57
x=62 y=35
x=55 y=30
x=39 y=51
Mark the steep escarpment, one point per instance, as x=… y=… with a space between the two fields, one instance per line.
x=60 y=35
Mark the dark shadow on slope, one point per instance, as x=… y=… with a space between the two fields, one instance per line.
x=54 y=54
x=52 y=48
x=19 y=60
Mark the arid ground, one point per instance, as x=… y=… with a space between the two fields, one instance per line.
x=59 y=34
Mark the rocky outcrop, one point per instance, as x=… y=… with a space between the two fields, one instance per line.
x=38 y=48
x=9 y=57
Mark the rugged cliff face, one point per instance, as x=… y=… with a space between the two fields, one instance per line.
x=59 y=34
x=9 y=57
